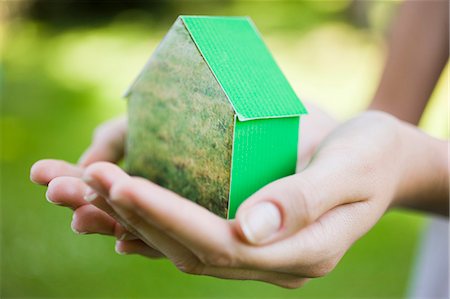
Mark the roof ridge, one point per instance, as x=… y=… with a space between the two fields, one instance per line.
x=249 y=75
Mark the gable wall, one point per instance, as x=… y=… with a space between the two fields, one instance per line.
x=181 y=124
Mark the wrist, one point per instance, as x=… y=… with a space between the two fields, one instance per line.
x=424 y=180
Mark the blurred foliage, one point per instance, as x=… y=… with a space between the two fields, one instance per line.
x=61 y=78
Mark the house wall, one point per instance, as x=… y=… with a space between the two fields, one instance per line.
x=264 y=150
x=181 y=124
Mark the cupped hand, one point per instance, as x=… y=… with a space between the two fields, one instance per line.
x=93 y=215
x=66 y=188
x=293 y=229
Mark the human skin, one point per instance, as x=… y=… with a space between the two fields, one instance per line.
x=293 y=229
x=108 y=145
x=364 y=167
x=417 y=53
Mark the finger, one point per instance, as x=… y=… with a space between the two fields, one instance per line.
x=90 y=220
x=315 y=250
x=158 y=213
x=70 y=192
x=94 y=198
x=210 y=237
x=279 y=279
x=137 y=247
x=178 y=254
x=308 y=253
x=283 y=207
x=43 y=171
x=104 y=176
x=125 y=231
x=186 y=262
x=67 y=191
x=99 y=177
x=107 y=143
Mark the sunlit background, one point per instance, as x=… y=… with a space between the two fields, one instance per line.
x=64 y=67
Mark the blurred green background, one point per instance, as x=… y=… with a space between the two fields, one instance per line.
x=64 y=66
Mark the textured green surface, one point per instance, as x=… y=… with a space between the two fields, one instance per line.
x=264 y=151
x=244 y=67
x=181 y=124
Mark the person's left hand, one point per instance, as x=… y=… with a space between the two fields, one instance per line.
x=65 y=188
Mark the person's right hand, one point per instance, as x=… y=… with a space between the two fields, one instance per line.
x=95 y=216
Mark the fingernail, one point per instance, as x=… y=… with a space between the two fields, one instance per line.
x=49 y=199
x=32 y=180
x=126 y=236
x=120 y=201
x=261 y=222
x=122 y=237
x=119 y=249
x=87 y=179
x=72 y=226
x=90 y=195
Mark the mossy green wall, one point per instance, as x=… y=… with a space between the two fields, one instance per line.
x=181 y=124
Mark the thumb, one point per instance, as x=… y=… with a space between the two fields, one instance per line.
x=107 y=143
x=283 y=207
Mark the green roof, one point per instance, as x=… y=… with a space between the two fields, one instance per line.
x=244 y=67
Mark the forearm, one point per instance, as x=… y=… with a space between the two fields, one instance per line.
x=424 y=179
x=418 y=51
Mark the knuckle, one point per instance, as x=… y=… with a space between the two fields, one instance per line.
x=65 y=187
x=60 y=189
x=381 y=124
x=304 y=205
x=218 y=259
x=98 y=168
x=56 y=183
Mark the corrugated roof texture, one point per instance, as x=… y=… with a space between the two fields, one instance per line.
x=243 y=65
